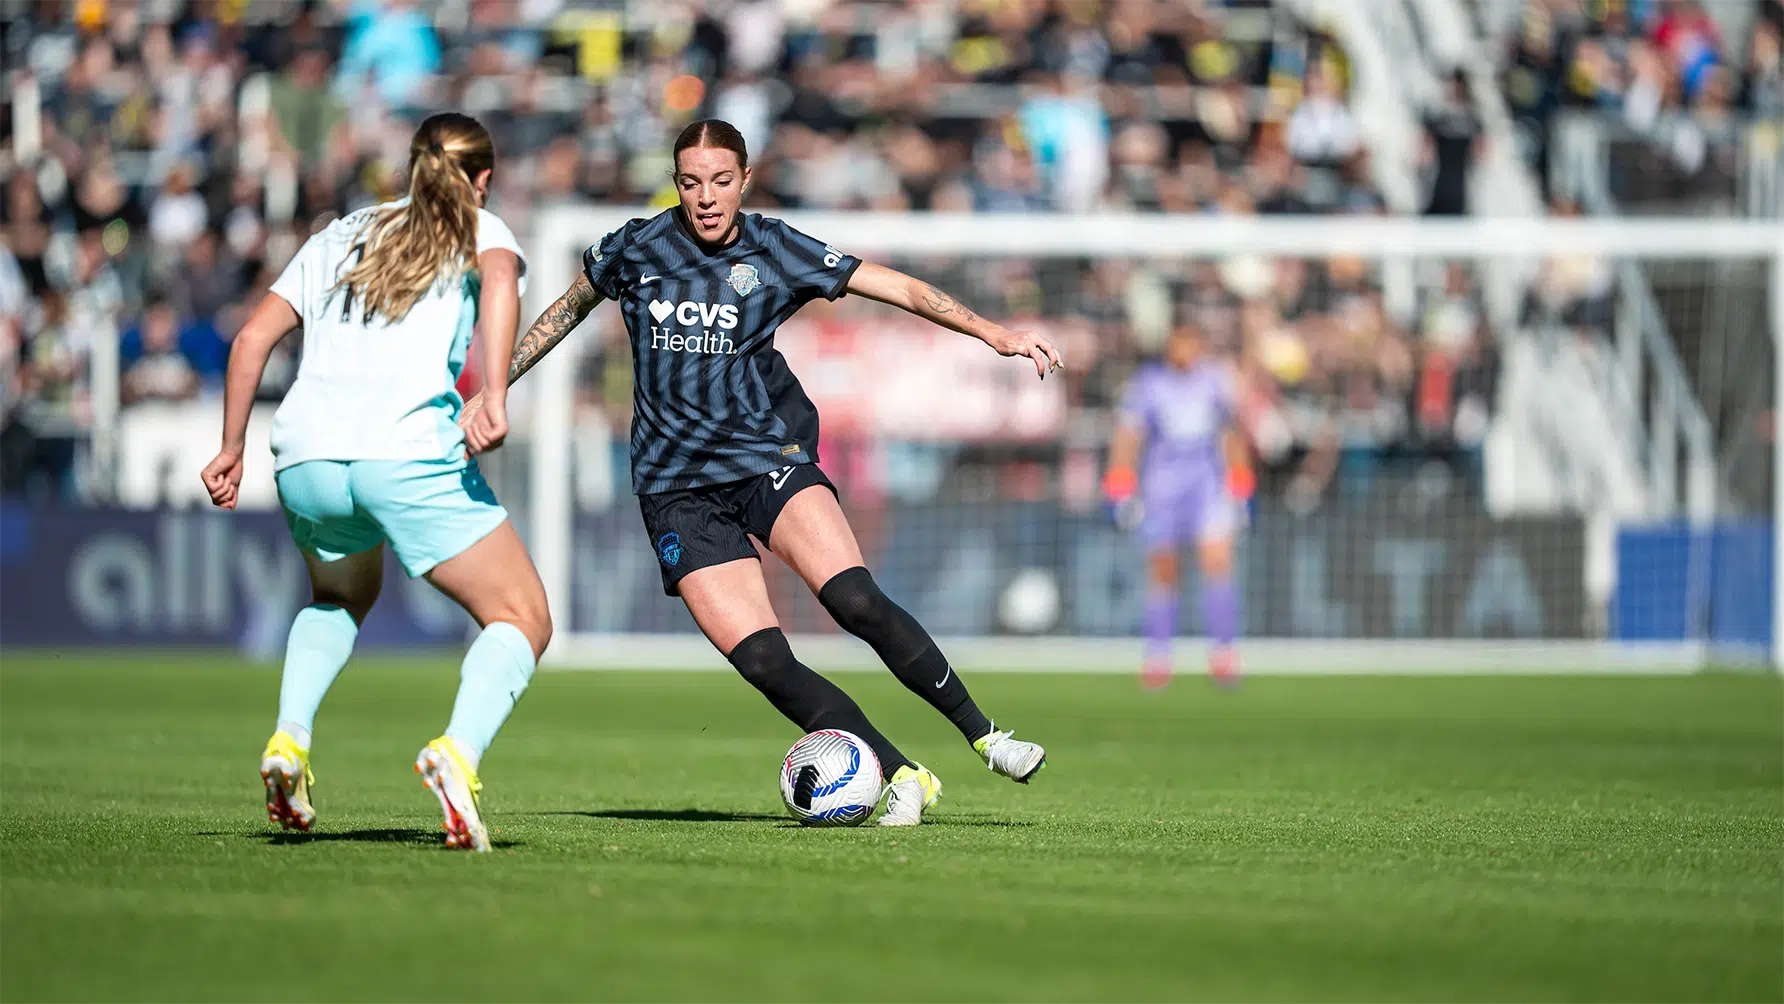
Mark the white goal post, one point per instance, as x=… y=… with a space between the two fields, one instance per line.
x=1509 y=250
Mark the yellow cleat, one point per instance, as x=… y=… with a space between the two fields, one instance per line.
x=285 y=769
x=446 y=772
x=909 y=794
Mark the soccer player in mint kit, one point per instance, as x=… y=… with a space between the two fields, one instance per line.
x=368 y=451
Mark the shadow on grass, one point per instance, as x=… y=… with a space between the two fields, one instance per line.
x=929 y=823
x=709 y=816
x=388 y=835
x=670 y=815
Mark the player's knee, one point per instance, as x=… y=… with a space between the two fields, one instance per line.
x=534 y=621
x=530 y=615
x=357 y=601
x=1162 y=569
x=1217 y=558
x=854 y=600
x=763 y=659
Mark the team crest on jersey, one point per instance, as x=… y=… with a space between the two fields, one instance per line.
x=669 y=549
x=743 y=278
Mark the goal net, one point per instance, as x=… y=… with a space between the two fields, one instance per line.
x=1485 y=445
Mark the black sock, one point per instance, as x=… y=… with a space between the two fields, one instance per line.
x=807 y=699
x=855 y=600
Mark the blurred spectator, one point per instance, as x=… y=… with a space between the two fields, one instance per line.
x=1453 y=140
x=1456 y=371
x=1573 y=290
x=156 y=364
x=1762 y=86
x=207 y=283
x=1321 y=131
x=305 y=111
x=178 y=214
x=43 y=431
x=390 y=43
x=1063 y=123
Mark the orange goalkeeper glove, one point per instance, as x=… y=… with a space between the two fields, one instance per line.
x=1120 y=483
x=1241 y=481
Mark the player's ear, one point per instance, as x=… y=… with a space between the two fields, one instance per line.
x=744 y=188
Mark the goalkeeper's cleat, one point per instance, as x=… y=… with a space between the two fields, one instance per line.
x=1017 y=760
x=285 y=769
x=449 y=776
x=909 y=794
x=1223 y=666
x=1155 y=672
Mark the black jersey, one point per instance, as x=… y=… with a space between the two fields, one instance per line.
x=713 y=402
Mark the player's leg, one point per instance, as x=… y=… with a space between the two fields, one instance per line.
x=345 y=559
x=495 y=581
x=729 y=602
x=1160 y=615
x=811 y=534
x=444 y=523
x=1220 y=596
x=1165 y=511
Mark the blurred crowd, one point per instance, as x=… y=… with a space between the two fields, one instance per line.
x=165 y=158
x=1694 y=107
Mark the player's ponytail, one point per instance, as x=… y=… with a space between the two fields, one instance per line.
x=408 y=248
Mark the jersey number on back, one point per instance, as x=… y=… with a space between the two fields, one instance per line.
x=358 y=254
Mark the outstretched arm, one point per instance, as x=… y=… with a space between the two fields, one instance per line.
x=877 y=282
x=552 y=327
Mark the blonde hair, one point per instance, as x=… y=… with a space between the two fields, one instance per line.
x=406 y=249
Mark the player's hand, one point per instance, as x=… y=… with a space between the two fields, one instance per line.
x=1027 y=343
x=487 y=427
x=1120 y=483
x=223 y=479
x=470 y=410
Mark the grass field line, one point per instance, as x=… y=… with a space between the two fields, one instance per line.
x=1262 y=656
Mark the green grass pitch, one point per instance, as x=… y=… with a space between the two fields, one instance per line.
x=1312 y=838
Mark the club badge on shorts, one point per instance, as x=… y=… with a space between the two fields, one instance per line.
x=669 y=549
x=743 y=278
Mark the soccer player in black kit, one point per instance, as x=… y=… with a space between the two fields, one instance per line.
x=724 y=445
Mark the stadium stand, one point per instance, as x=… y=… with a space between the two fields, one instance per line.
x=171 y=156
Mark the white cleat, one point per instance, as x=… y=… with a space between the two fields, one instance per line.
x=909 y=794
x=444 y=770
x=1017 y=760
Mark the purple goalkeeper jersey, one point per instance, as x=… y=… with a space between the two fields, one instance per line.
x=1182 y=414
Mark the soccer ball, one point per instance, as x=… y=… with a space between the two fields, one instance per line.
x=830 y=778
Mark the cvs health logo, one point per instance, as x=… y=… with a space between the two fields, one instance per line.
x=723 y=315
x=701 y=316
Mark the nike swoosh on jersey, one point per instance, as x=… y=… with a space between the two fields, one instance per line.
x=648 y=278
x=945 y=676
x=779 y=478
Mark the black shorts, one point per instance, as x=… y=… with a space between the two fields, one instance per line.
x=694 y=528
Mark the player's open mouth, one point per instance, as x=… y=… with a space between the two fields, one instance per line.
x=709 y=221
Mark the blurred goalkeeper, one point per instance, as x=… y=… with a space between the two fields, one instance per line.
x=1190 y=488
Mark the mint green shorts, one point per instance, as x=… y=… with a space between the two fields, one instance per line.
x=429 y=510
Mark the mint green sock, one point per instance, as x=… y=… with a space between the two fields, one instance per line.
x=321 y=639
x=496 y=672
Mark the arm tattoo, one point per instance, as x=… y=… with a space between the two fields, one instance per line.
x=941 y=304
x=559 y=320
